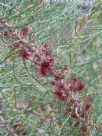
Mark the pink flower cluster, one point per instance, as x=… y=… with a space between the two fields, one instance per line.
x=24 y=31
x=63 y=89
x=77 y=108
x=42 y=57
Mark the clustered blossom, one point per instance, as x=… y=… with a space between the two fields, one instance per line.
x=76 y=85
x=41 y=56
x=88 y=103
x=44 y=59
x=63 y=89
x=24 y=54
x=80 y=111
x=66 y=91
x=77 y=108
x=6 y=33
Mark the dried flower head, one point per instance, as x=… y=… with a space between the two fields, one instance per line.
x=6 y=33
x=44 y=59
x=24 y=54
x=60 y=88
x=76 y=85
x=88 y=103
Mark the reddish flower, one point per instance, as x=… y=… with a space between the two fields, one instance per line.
x=88 y=102
x=45 y=68
x=74 y=108
x=60 y=95
x=44 y=59
x=63 y=97
x=87 y=107
x=24 y=54
x=6 y=33
x=82 y=112
x=24 y=31
x=75 y=85
x=60 y=87
x=58 y=82
x=89 y=98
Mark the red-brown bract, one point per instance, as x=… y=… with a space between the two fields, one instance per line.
x=24 y=54
x=45 y=68
x=42 y=57
x=60 y=86
x=75 y=85
x=24 y=31
x=63 y=88
x=6 y=33
x=45 y=65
